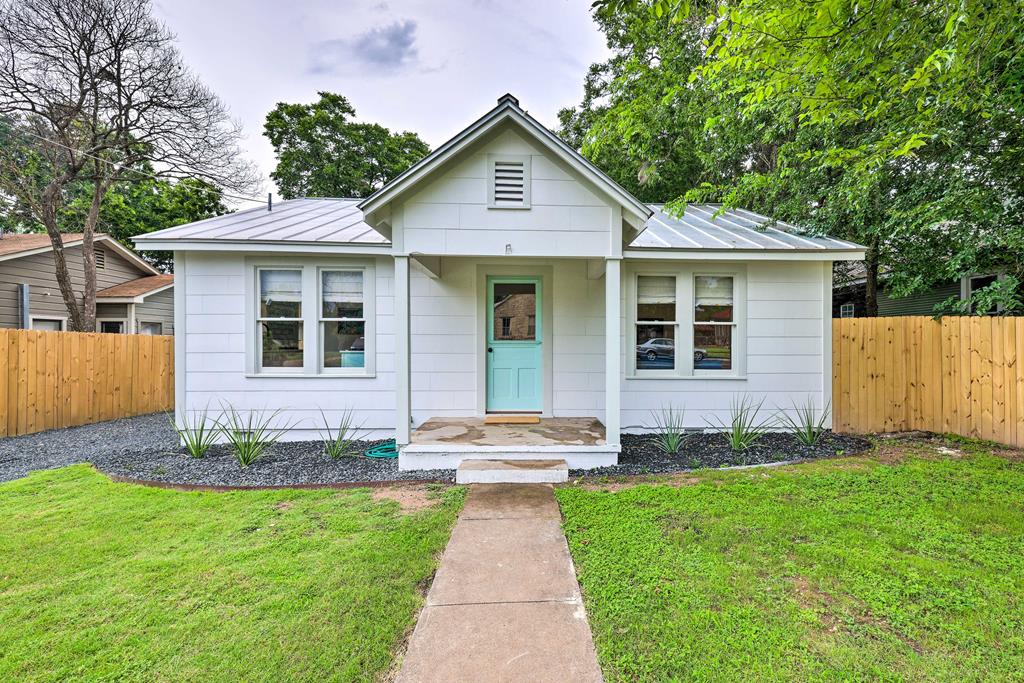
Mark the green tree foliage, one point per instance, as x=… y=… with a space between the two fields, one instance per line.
x=895 y=124
x=321 y=152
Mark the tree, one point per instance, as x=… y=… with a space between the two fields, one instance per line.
x=90 y=90
x=321 y=152
x=895 y=124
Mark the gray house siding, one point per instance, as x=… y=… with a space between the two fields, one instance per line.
x=918 y=304
x=158 y=308
x=39 y=273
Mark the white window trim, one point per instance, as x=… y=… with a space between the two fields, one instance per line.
x=257 y=320
x=123 y=321
x=527 y=161
x=139 y=323
x=685 y=275
x=843 y=308
x=62 y=318
x=311 y=294
x=965 y=285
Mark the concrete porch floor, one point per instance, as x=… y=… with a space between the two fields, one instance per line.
x=471 y=431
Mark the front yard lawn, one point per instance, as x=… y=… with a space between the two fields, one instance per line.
x=104 y=581
x=906 y=564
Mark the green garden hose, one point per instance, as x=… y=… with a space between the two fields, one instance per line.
x=384 y=450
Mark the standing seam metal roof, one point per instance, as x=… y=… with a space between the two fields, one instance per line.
x=340 y=221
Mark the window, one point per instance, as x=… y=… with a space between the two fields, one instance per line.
x=101 y=258
x=515 y=311
x=342 y=325
x=656 y=322
x=509 y=182
x=48 y=324
x=279 y=320
x=112 y=326
x=713 y=322
x=151 y=328
x=973 y=283
x=846 y=311
x=687 y=323
x=310 y=317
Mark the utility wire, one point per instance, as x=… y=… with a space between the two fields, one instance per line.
x=150 y=175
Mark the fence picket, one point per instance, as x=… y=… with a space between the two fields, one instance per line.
x=962 y=375
x=61 y=379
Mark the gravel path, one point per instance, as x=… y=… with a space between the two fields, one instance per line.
x=19 y=455
x=146 y=448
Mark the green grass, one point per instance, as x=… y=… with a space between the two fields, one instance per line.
x=103 y=582
x=853 y=569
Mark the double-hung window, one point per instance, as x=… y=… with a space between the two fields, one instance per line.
x=312 y=317
x=342 y=320
x=687 y=324
x=279 y=319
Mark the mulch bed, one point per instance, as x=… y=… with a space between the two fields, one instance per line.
x=641 y=456
x=292 y=463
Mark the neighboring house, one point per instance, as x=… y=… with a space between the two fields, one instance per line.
x=479 y=282
x=849 y=290
x=131 y=295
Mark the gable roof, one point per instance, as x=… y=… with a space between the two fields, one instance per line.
x=507 y=109
x=140 y=288
x=733 y=229
x=19 y=245
x=302 y=221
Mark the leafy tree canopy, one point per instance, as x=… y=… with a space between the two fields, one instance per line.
x=321 y=152
x=896 y=124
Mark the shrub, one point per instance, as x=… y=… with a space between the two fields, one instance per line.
x=744 y=429
x=198 y=435
x=803 y=424
x=251 y=435
x=338 y=440
x=669 y=435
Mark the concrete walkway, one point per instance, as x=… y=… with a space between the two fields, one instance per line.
x=505 y=604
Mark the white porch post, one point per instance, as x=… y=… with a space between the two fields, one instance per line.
x=402 y=363
x=612 y=349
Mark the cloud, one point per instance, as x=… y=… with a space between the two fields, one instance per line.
x=384 y=49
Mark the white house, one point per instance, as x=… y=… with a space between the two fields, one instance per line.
x=480 y=282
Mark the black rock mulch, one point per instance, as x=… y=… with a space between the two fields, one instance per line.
x=145 y=448
x=292 y=463
x=641 y=456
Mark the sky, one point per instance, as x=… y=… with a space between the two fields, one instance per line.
x=426 y=67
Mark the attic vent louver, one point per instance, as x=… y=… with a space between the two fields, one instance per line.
x=510 y=182
x=101 y=258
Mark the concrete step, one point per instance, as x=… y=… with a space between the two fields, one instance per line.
x=512 y=472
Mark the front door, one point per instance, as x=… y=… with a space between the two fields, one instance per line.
x=514 y=359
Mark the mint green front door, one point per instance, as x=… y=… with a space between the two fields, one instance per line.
x=514 y=360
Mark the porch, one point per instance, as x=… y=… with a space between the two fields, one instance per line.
x=443 y=443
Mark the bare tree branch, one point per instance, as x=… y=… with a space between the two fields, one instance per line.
x=99 y=87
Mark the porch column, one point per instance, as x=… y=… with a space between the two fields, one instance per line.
x=612 y=349
x=402 y=370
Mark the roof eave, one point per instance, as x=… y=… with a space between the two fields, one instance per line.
x=199 y=244
x=744 y=254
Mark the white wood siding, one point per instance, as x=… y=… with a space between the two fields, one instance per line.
x=450 y=213
x=784 y=353
x=215 y=356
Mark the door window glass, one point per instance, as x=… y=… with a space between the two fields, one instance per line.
x=515 y=310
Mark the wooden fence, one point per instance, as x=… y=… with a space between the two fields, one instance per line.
x=61 y=379
x=960 y=375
